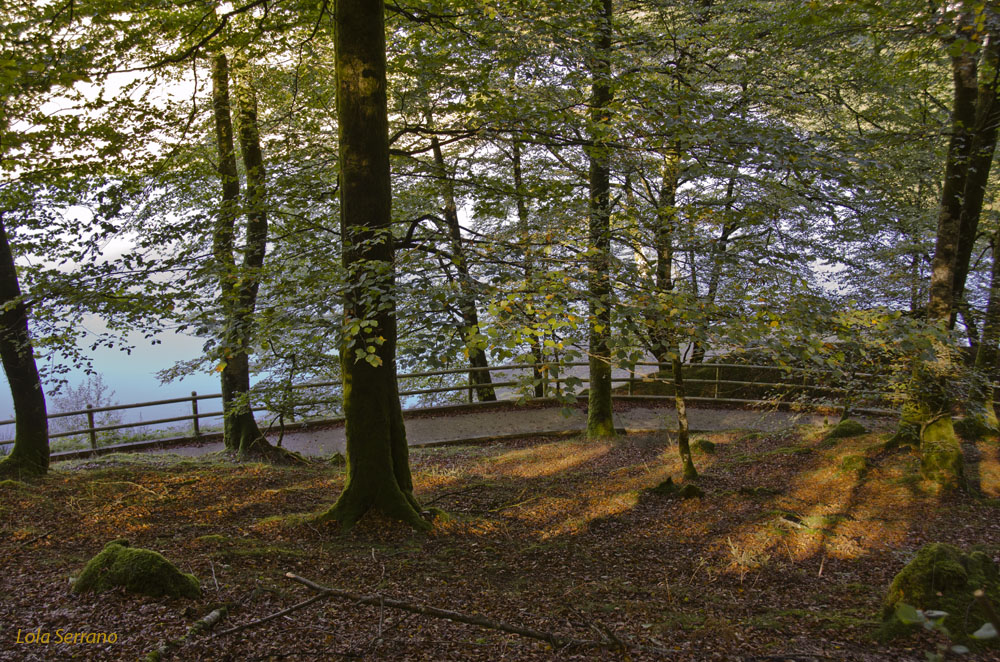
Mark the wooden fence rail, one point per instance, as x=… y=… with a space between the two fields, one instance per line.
x=552 y=382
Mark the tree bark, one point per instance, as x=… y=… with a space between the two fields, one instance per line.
x=378 y=470
x=466 y=287
x=981 y=149
x=238 y=286
x=683 y=445
x=927 y=415
x=600 y=422
x=956 y=168
x=30 y=455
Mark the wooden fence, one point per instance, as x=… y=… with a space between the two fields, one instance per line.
x=704 y=382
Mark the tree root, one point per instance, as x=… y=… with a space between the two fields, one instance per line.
x=608 y=641
x=17 y=468
x=270 y=454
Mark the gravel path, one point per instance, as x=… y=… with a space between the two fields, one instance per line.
x=491 y=424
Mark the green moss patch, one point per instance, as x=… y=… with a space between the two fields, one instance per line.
x=943 y=578
x=941 y=454
x=846 y=428
x=136 y=570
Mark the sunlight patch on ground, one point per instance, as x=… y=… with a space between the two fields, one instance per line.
x=548 y=459
x=840 y=505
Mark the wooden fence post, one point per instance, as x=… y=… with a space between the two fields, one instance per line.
x=90 y=427
x=194 y=413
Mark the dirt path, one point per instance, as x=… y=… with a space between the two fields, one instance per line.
x=482 y=425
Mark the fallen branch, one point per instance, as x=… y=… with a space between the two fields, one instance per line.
x=247 y=626
x=608 y=642
x=206 y=623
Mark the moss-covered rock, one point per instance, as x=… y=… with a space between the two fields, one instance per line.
x=137 y=571
x=943 y=578
x=941 y=454
x=703 y=446
x=846 y=428
x=669 y=488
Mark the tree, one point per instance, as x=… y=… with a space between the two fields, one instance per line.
x=378 y=470
x=238 y=285
x=600 y=420
x=30 y=455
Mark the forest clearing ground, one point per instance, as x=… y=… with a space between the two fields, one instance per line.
x=789 y=553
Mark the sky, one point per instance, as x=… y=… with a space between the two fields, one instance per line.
x=132 y=377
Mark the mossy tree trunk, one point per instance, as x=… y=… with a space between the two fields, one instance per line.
x=927 y=415
x=980 y=414
x=466 y=286
x=238 y=284
x=683 y=442
x=378 y=470
x=30 y=455
x=600 y=420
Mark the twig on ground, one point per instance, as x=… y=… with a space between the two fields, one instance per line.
x=448 y=494
x=609 y=642
x=261 y=621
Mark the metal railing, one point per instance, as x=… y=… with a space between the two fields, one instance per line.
x=551 y=382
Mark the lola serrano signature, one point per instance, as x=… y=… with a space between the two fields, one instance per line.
x=61 y=636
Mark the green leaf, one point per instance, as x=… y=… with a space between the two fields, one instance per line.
x=908 y=614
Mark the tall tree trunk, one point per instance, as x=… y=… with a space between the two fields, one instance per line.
x=524 y=227
x=956 y=169
x=466 y=287
x=929 y=409
x=600 y=420
x=661 y=333
x=238 y=285
x=378 y=469
x=30 y=455
x=981 y=149
x=683 y=445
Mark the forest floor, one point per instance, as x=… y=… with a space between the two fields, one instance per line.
x=787 y=556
